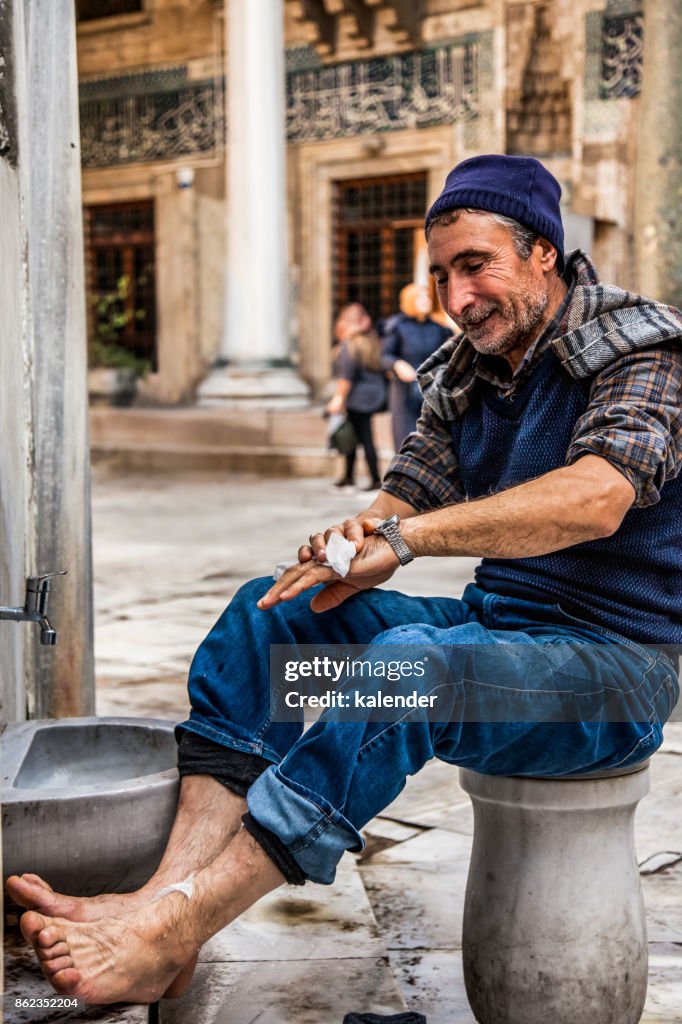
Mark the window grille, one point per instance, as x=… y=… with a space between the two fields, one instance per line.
x=375 y=220
x=120 y=274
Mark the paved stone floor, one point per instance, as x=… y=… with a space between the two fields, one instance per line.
x=169 y=553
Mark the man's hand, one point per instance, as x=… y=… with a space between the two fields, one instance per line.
x=374 y=563
x=355 y=530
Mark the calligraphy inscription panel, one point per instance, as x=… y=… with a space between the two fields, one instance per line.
x=621 y=56
x=407 y=90
x=160 y=115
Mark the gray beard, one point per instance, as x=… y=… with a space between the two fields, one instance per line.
x=534 y=306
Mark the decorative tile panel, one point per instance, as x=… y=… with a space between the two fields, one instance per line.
x=161 y=114
x=143 y=83
x=154 y=116
x=407 y=90
x=621 y=55
x=613 y=64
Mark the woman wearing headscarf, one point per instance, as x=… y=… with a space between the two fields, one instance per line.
x=412 y=337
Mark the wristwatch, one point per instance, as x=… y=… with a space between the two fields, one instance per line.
x=389 y=529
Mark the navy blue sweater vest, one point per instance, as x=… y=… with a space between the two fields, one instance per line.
x=631 y=582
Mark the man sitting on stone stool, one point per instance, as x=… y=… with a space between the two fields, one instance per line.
x=550 y=444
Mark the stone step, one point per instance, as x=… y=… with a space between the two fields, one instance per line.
x=277 y=442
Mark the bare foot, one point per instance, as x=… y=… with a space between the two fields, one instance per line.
x=139 y=957
x=135 y=958
x=33 y=893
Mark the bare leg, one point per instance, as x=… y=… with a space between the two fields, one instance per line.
x=134 y=958
x=207 y=818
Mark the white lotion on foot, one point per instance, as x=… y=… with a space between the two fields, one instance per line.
x=186 y=888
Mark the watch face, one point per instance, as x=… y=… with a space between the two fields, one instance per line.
x=387 y=523
x=389 y=530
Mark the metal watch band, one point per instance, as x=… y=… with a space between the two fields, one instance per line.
x=391 y=531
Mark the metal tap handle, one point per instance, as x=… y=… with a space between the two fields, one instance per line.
x=33 y=582
x=37 y=590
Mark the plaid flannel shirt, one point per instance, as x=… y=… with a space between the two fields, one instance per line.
x=628 y=346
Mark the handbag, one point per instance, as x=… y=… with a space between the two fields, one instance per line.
x=341 y=434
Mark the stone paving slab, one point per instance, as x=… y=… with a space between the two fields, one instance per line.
x=159 y=698
x=664 y=998
x=459 y=818
x=658 y=821
x=429 y=796
x=291 y=992
x=417 y=891
x=432 y=848
x=298 y=922
x=155 y=645
x=433 y=984
x=393 y=831
x=663 y=902
x=672 y=742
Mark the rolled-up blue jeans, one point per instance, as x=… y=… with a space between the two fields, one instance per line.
x=323 y=785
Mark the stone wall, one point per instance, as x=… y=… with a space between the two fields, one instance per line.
x=167 y=32
x=44 y=464
x=17 y=508
x=65 y=685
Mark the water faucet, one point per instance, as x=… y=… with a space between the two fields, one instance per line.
x=35 y=606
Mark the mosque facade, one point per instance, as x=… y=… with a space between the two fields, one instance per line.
x=380 y=100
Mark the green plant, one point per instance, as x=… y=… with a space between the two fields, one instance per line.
x=111 y=314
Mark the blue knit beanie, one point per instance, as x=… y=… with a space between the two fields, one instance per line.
x=515 y=186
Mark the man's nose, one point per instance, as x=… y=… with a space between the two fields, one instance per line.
x=460 y=297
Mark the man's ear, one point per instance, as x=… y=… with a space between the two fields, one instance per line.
x=548 y=254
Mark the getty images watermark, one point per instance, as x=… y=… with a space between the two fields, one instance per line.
x=318 y=682
x=511 y=682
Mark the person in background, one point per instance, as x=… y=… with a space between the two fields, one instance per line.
x=412 y=337
x=360 y=386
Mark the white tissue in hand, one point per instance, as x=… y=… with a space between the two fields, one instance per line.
x=340 y=553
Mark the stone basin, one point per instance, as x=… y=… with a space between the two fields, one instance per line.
x=87 y=803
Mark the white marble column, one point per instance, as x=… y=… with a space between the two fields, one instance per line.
x=255 y=348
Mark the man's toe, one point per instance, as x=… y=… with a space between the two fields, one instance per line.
x=31 y=925
x=37 y=880
x=66 y=981
x=57 y=965
x=52 y=952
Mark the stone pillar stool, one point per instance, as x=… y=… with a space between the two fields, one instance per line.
x=554 y=928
